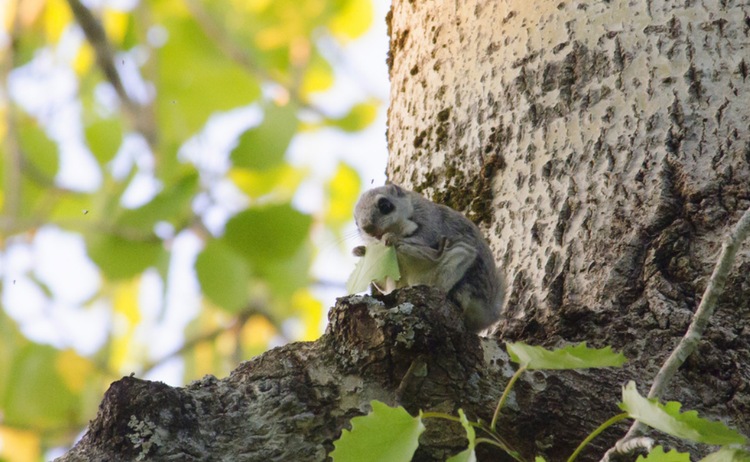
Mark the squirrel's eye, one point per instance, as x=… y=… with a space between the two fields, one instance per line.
x=385 y=206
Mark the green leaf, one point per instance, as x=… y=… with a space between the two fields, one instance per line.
x=28 y=42
x=658 y=455
x=263 y=147
x=359 y=117
x=278 y=183
x=378 y=263
x=104 y=138
x=286 y=275
x=570 y=357
x=36 y=396
x=72 y=206
x=32 y=393
x=120 y=258
x=173 y=205
x=727 y=455
x=539 y=459
x=33 y=197
x=130 y=39
x=39 y=150
x=467 y=455
x=195 y=80
x=224 y=276
x=266 y=234
x=668 y=419
x=384 y=435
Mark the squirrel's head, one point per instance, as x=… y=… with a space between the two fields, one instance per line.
x=386 y=209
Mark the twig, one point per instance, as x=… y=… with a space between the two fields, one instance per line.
x=97 y=37
x=13 y=166
x=223 y=41
x=34 y=174
x=705 y=309
x=227 y=46
x=210 y=336
x=140 y=119
x=701 y=317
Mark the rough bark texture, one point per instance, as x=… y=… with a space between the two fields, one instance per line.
x=604 y=147
x=291 y=403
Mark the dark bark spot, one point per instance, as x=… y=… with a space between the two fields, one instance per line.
x=419 y=139
x=443 y=115
x=535 y=233
x=562 y=222
x=693 y=79
x=492 y=48
x=742 y=69
x=525 y=60
x=559 y=47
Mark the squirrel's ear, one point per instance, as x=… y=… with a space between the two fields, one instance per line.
x=397 y=189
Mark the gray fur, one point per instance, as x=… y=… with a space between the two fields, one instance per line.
x=437 y=246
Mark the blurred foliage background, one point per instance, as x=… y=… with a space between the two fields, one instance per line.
x=150 y=217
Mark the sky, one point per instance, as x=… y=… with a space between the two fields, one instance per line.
x=47 y=89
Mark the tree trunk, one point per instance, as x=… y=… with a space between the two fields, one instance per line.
x=603 y=149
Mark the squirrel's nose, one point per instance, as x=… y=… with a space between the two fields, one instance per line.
x=369 y=229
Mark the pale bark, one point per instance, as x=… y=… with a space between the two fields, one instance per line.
x=604 y=147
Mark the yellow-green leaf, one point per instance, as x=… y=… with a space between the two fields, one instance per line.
x=569 y=357
x=727 y=455
x=267 y=234
x=263 y=147
x=353 y=19
x=224 y=276
x=378 y=264
x=667 y=418
x=121 y=258
x=467 y=455
x=39 y=150
x=342 y=189
x=195 y=80
x=360 y=116
x=384 y=435
x=658 y=455
x=104 y=137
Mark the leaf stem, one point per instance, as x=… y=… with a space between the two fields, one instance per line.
x=505 y=395
x=501 y=446
x=441 y=415
x=596 y=432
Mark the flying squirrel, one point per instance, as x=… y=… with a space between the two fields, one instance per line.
x=436 y=246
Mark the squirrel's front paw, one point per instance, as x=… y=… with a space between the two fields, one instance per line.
x=359 y=251
x=389 y=239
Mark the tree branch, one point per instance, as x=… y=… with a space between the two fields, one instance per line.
x=225 y=44
x=701 y=317
x=212 y=335
x=12 y=173
x=97 y=37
